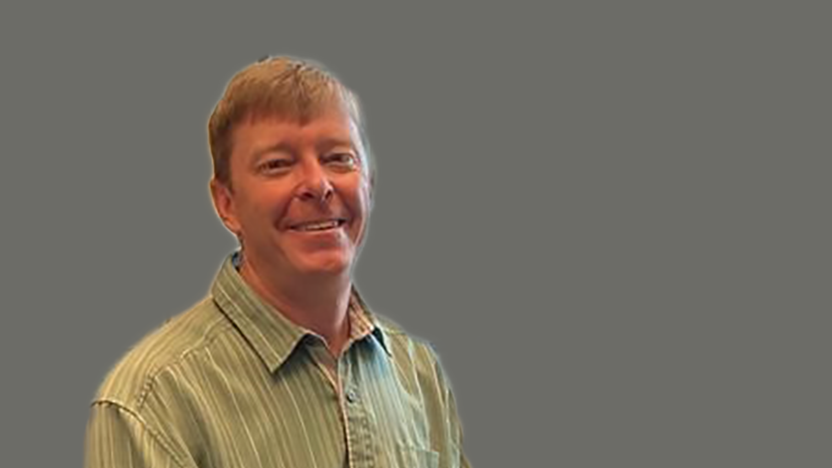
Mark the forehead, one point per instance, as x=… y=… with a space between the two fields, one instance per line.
x=331 y=126
x=328 y=121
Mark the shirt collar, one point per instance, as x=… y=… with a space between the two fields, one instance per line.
x=270 y=333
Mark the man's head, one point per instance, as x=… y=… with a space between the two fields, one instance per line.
x=292 y=175
x=278 y=87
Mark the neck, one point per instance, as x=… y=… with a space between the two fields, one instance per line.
x=317 y=303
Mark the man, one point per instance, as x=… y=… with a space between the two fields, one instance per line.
x=283 y=364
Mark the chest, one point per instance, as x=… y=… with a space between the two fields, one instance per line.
x=366 y=410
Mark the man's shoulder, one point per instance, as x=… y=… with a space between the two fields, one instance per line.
x=401 y=342
x=161 y=350
x=416 y=358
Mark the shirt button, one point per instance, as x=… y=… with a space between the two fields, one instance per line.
x=352 y=397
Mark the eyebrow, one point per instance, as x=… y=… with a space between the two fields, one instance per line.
x=332 y=142
x=281 y=147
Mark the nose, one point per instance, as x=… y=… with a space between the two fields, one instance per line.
x=314 y=183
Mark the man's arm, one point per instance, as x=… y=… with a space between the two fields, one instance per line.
x=456 y=429
x=452 y=415
x=116 y=437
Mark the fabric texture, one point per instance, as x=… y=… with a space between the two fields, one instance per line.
x=232 y=383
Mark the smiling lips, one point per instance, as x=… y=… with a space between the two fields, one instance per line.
x=318 y=225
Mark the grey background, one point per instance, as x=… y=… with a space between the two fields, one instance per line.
x=611 y=220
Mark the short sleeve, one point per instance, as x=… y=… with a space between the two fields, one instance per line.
x=455 y=429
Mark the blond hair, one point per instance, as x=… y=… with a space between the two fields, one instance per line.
x=278 y=87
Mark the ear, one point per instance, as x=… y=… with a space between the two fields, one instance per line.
x=223 y=199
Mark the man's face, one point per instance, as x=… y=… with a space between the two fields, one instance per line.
x=300 y=194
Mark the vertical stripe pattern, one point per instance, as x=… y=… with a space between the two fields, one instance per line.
x=232 y=383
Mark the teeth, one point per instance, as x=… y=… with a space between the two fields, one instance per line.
x=319 y=226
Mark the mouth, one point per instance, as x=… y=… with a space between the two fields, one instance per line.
x=321 y=225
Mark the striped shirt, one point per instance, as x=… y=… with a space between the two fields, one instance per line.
x=231 y=383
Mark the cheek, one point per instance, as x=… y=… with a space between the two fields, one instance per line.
x=364 y=206
x=357 y=202
x=266 y=207
x=355 y=195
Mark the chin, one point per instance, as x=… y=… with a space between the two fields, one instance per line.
x=334 y=265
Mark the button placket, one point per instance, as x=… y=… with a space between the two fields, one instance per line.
x=352 y=395
x=358 y=430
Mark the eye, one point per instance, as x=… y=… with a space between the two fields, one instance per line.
x=346 y=161
x=275 y=165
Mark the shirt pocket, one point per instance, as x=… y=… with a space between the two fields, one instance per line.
x=405 y=456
